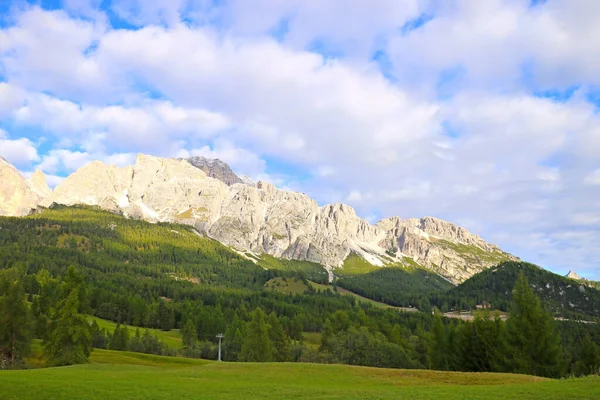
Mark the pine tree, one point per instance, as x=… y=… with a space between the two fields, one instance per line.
x=280 y=341
x=438 y=350
x=588 y=362
x=234 y=339
x=535 y=344
x=257 y=345
x=15 y=325
x=120 y=338
x=189 y=335
x=70 y=340
x=136 y=344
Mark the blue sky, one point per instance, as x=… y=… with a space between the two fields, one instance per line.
x=481 y=113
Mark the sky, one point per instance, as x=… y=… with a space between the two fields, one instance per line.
x=483 y=113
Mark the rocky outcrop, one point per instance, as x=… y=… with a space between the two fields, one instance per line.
x=573 y=275
x=258 y=218
x=40 y=186
x=17 y=196
x=215 y=168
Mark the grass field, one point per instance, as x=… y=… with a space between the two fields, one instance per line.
x=286 y=285
x=171 y=338
x=122 y=375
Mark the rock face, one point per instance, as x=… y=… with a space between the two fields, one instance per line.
x=573 y=275
x=17 y=196
x=260 y=218
x=215 y=168
x=39 y=185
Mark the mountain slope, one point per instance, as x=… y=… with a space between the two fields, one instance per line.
x=264 y=220
x=562 y=296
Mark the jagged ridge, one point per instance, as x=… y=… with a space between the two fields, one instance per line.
x=263 y=219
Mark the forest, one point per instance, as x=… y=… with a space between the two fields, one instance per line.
x=66 y=263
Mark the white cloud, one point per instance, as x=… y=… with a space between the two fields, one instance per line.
x=457 y=134
x=18 y=151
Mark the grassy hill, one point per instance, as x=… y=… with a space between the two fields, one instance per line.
x=562 y=296
x=122 y=375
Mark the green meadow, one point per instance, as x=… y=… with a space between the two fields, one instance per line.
x=123 y=375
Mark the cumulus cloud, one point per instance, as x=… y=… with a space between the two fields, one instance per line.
x=18 y=151
x=482 y=114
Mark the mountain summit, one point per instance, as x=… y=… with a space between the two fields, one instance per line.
x=259 y=218
x=215 y=168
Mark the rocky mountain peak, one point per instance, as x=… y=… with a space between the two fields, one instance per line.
x=17 y=197
x=215 y=168
x=573 y=275
x=260 y=218
x=39 y=184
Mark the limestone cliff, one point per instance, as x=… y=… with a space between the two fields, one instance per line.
x=258 y=218
x=17 y=196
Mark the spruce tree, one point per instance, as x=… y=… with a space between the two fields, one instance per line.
x=280 y=341
x=534 y=341
x=70 y=340
x=588 y=362
x=438 y=350
x=15 y=325
x=257 y=345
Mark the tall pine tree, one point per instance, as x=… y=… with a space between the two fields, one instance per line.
x=70 y=339
x=257 y=345
x=15 y=325
x=534 y=341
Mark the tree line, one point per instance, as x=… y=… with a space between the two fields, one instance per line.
x=66 y=264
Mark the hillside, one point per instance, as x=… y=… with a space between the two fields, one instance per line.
x=119 y=375
x=254 y=219
x=565 y=297
x=404 y=284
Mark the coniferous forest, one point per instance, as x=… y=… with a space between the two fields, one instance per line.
x=60 y=267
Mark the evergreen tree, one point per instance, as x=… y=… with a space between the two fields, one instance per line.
x=535 y=344
x=234 y=339
x=281 y=341
x=438 y=350
x=589 y=358
x=482 y=344
x=119 y=339
x=15 y=325
x=70 y=340
x=136 y=344
x=257 y=345
x=99 y=339
x=189 y=335
x=165 y=316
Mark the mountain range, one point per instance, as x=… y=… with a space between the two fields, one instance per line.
x=255 y=218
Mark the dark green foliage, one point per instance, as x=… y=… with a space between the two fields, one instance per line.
x=439 y=348
x=189 y=335
x=279 y=339
x=588 y=358
x=534 y=342
x=119 y=339
x=481 y=344
x=146 y=275
x=560 y=295
x=99 y=336
x=70 y=339
x=15 y=325
x=257 y=346
x=404 y=287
